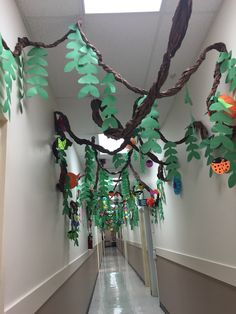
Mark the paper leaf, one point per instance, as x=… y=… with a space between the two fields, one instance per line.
x=187 y=98
x=42 y=92
x=108 y=78
x=149 y=123
x=37 y=60
x=88 y=79
x=221 y=117
x=37 y=80
x=169 y=144
x=109 y=100
x=110 y=122
x=89 y=89
x=221 y=128
x=37 y=70
x=37 y=51
x=88 y=69
x=70 y=66
x=87 y=59
x=232 y=180
x=32 y=92
x=224 y=66
x=150 y=134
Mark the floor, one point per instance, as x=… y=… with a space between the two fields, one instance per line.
x=119 y=290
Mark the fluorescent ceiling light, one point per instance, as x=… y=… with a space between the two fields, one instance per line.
x=121 y=6
x=109 y=143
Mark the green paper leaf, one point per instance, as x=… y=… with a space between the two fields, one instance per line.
x=89 y=89
x=88 y=59
x=37 y=80
x=149 y=123
x=37 y=70
x=88 y=79
x=187 y=99
x=70 y=66
x=108 y=78
x=169 y=144
x=42 y=92
x=224 y=66
x=32 y=92
x=109 y=100
x=223 y=56
x=37 y=60
x=232 y=180
x=88 y=69
x=37 y=52
x=221 y=117
x=110 y=122
x=221 y=128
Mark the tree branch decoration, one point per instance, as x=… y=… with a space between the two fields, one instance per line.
x=112 y=202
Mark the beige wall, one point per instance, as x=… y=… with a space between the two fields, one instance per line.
x=75 y=294
x=37 y=254
x=135 y=258
x=184 y=291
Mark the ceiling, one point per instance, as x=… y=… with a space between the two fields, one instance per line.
x=132 y=43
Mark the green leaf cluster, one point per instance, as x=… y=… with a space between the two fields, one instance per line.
x=8 y=67
x=228 y=64
x=221 y=128
x=171 y=160
x=36 y=73
x=191 y=143
x=119 y=160
x=125 y=184
x=83 y=59
x=149 y=133
x=108 y=102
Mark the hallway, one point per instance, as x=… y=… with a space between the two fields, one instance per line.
x=119 y=289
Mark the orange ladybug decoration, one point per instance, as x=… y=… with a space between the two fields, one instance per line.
x=220 y=165
x=74 y=178
x=226 y=99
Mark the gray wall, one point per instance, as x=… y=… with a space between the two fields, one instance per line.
x=75 y=294
x=185 y=291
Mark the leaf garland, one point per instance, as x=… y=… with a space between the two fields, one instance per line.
x=70 y=208
x=8 y=68
x=172 y=161
x=36 y=72
x=149 y=133
x=84 y=60
x=228 y=64
x=221 y=128
x=108 y=102
x=191 y=143
x=119 y=160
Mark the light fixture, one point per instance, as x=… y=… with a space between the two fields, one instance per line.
x=109 y=143
x=121 y=6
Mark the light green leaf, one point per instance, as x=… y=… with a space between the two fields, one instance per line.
x=88 y=69
x=32 y=92
x=89 y=89
x=37 y=80
x=70 y=66
x=110 y=122
x=88 y=79
x=37 y=70
x=37 y=52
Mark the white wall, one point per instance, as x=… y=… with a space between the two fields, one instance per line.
x=199 y=229
x=36 y=246
x=203 y=221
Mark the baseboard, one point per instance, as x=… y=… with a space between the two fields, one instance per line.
x=35 y=298
x=223 y=272
x=164 y=309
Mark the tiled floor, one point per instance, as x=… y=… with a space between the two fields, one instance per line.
x=119 y=290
